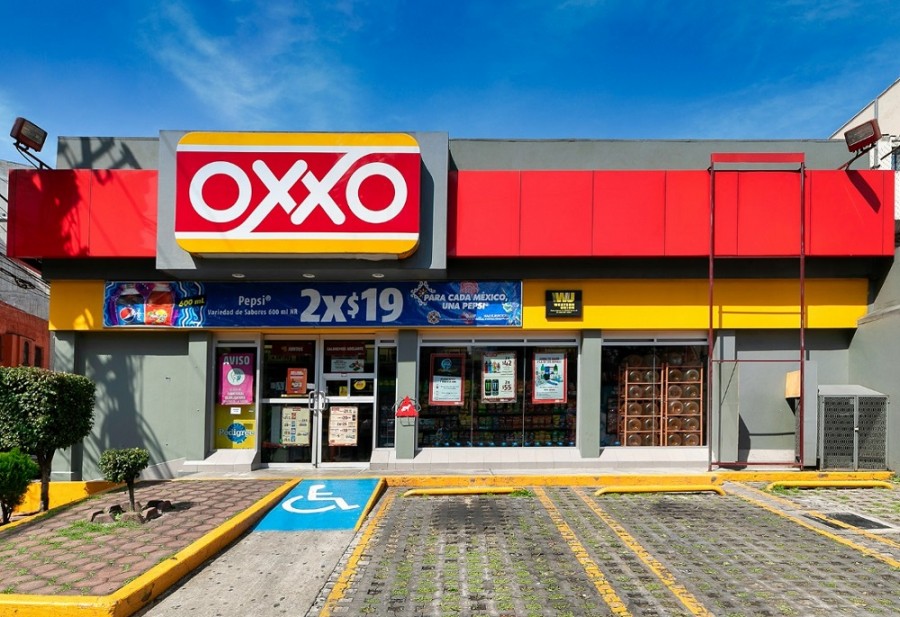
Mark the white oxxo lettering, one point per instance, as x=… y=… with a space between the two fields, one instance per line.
x=279 y=195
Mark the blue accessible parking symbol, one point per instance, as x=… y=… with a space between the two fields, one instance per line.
x=320 y=505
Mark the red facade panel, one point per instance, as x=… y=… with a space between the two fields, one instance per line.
x=49 y=213
x=687 y=213
x=851 y=213
x=556 y=213
x=768 y=214
x=726 y=213
x=485 y=214
x=123 y=214
x=629 y=213
x=82 y=213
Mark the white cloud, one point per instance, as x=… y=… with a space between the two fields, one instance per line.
x=273 y=64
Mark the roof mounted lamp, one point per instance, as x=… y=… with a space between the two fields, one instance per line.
x=861 y=139
x=28 y=136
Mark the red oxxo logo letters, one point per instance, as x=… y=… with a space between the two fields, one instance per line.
x=306 y=193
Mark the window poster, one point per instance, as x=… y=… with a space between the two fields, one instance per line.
x=295 y=426
x=549 y=378
x=236 y=378
x=347 y=357
x=295 y=382
x=342 y=426
x=446 y=379
x=498 y=377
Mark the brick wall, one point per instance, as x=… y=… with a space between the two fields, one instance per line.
x=24 y=338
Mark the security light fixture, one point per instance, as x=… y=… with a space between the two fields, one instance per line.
x=28 y=134
x=862 y=136
x=860 y=139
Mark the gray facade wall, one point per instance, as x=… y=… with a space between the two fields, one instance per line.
x=756 y=420
x=152 y=392
x=875 y=354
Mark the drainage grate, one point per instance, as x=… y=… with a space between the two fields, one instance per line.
x=854 y=520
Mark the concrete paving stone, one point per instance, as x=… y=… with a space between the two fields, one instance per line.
x=32 y=586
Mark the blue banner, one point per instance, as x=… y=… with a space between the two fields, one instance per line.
x=291 y=305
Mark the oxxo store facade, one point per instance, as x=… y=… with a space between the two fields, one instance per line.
x=274 y=299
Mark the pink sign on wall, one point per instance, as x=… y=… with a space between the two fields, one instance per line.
x=236 y=378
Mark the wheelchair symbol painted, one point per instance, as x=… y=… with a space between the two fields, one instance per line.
x=315 y=495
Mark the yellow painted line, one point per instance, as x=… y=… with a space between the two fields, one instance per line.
x=830 y=484
x=661 y=488
x=138 y=593
x=380 y=488
x=592 y=570
x=684 y=596
x=849 y=543
x=473 y=490
x=825 y=519
x=340 y=587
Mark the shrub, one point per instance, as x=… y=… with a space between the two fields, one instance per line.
x=43 y=411
x=124 y=466
x=16 y=473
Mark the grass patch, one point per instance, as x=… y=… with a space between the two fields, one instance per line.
x=85 y=530
x=521 y=492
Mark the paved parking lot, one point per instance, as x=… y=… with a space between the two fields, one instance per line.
x=564 y=551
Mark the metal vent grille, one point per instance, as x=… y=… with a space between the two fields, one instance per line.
x=872 y=432
x=837 y=432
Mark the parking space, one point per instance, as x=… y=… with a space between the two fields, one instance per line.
x=564 y=551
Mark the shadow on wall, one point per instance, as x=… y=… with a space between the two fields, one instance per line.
x=142 y=380
x=97 y=152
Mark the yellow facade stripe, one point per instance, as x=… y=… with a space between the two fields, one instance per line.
x=299 y=248
x=684 y=596
x=608 y=304
x=654 y=304
x=298 y=139
x=596 y=576
x=340 y=587
x=849 y=543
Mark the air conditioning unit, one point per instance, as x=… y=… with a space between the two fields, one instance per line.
x=852 y=428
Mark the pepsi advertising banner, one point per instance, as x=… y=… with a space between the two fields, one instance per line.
x=181 y=304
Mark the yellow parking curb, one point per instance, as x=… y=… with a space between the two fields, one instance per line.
x=661 y=488
x=148 y=586
x=830 y=484
x=471 y=490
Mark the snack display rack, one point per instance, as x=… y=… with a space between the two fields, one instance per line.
x=661 y=404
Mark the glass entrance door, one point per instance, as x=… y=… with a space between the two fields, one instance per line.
x=318 y=401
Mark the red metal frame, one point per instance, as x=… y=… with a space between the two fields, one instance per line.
x=755 y=162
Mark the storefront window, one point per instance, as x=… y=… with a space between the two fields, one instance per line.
x=653 y=395
x=497 y=396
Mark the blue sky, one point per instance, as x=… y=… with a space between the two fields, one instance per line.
x=630 y=69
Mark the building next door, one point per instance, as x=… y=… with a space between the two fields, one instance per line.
x=318 y=401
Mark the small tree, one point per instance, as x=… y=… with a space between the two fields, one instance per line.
x=17 y=470
x=43 y=411
x=124 y=466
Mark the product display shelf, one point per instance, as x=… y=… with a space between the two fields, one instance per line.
x=641 y=397
x=497 y=425
x=683 y=406
x=661 y=405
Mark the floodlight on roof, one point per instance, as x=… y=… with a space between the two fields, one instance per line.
x=28 y=134
x=862 y=136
